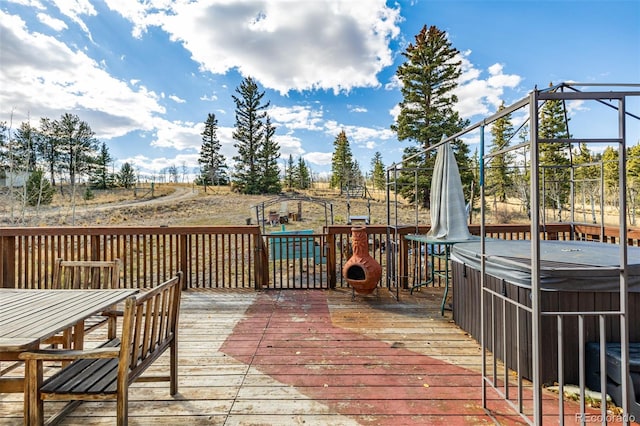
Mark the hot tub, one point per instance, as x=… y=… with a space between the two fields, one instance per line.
x=576 y=276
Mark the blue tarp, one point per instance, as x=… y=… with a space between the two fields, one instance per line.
x=295 y=246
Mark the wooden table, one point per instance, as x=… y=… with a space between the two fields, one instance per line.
x=27 y=317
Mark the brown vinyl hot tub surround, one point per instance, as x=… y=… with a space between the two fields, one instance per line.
x=362 y=272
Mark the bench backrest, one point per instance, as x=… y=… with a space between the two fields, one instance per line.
x=86 y=274
x=149 y=327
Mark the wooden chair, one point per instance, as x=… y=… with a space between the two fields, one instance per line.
x=86 y=274
x=149 y=327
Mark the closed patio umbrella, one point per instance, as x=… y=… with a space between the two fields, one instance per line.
x=448 y=208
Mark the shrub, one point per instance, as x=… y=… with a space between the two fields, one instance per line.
x=39 y=189
x=88 y=194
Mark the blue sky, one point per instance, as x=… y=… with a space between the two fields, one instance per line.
x=145 y=74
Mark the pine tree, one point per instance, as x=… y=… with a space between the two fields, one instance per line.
x=303 y=174
x=101 y=177
x=213 y=170
x=378 y=172
x=499 y=176
x=356 y=178
x=78 y=145
x=25 y=147
x=633 y=180
x=554 y=156
x=249 y=136
x=428 y=78
x=268 y=155
x=38 y=189
x=341 y=163
x=126 y=177
x=586 y=178
x=611 y=175
x=49 y=147
x=290 y=173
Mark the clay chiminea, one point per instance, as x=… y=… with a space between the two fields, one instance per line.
x=361 y=271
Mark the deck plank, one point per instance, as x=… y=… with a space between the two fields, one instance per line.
x=314 y=357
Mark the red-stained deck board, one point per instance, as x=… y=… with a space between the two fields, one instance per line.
x=374 y=377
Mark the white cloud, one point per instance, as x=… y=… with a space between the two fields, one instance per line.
x=210 y=98
x=325 y=45
x=42 y=77
x=479 y=96
x=178 y=135
x=354 y=108
x=177 y=99
x=51 y=22
x=156 y=166
x=358 y=135
x=297 y=117
x=289 y=145
x=319 y=158
x=31 y=3
x=393 y=84
x=74 y=8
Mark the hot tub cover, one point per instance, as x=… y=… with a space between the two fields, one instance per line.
x=564 y=265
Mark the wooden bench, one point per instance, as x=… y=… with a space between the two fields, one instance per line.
x=149 y=327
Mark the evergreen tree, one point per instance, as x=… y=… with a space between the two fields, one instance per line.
x=587 y=179
x=290 y=173
x=249 y=136
x=499 y=176
x=429 y=75
x=78 y=145
x=554 y=157
x=378 y=173
x=356 y=177
x=633 y=180
x=213 y=170
x=49 y=147
x=268 y=155
x=39 y=189
x=24 y=150
x=341 y=163
x=611 y=175
x=101 y=177
x=4 y=146
x=127 y=176
x=303 y=175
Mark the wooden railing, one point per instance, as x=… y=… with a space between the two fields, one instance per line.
x=233 y=257
x=208 y=256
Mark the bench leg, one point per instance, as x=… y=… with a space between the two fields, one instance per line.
x=173 y=366
x=122 y=408
x=33 y=405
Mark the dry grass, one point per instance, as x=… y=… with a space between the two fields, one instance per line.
x=185 y=204
x=181 y=204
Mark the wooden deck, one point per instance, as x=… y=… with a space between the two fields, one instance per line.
x=314 y=357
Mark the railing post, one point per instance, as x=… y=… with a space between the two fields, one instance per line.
x=184 y=261
x=331 y=260
x=96 y=251
x=261 y=273
x=7 y=267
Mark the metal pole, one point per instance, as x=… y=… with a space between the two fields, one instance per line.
x=624 y=290
x=482 y=270
x=535 y=258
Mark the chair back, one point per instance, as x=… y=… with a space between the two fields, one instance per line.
x=149 y=327
x=86 y=274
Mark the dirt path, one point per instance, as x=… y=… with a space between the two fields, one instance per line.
x=180 y=194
